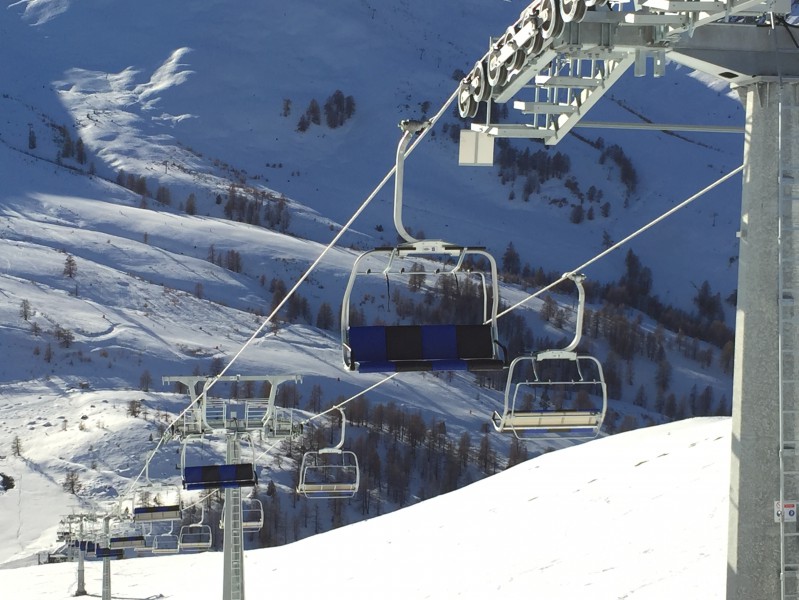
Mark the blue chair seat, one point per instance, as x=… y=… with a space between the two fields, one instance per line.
x=219 y=476
x=403 y=348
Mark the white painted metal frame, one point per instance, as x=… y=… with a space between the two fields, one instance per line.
x=166 y=543
x=252 y=515
x=542 y=422
x=330 y=472
x=395 y=264
x=564 y=423
x=196 y=536
x=150 y=496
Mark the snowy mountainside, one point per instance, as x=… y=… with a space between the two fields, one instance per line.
x=214 y=90
x=193 y=98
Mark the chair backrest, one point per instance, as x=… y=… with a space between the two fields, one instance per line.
x=143 y=514
x=219 y=476
x=423 y=348
x=110 y=552
x=127 y=541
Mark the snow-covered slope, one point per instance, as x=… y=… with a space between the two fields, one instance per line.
x=639 y=515
x=186 y=96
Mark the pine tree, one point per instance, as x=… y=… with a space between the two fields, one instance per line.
x=70 y=266
x=314 y=112
x=315 y=399
x=511 y=262
x=485 y=454
x=67 y=147
x=16 y=446
x=417 y=279
x=80 y=151
x=325 y=318
x=145 y=381
x=191 y=204
x=303 y=124
x=577 y=214
x=134 y=407
x=25 y=310
x=163 y=195
x=663 y=375
x=72 y=482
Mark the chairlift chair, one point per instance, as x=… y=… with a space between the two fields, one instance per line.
x=555 y=393
x=156 y=502
x=330 y=472
x=279 y=422
x=83 y=543
x=252 y=515
x=87 y=544
x=470 y=345
x=214 y=476
x=196 y=536
x=219 y=476
x=147 y=533
x=127 y=541
x=166 y=543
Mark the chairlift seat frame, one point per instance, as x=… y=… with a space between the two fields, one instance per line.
x=166 y=543
x=252 y=515
x=195 y=536
x=562 y=423
x=422 y=347
x=330 y=486
x=280 y=423
x=559 y=423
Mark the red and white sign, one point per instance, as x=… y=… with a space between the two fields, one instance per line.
x=788 y=512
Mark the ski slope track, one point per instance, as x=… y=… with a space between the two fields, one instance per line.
x=637 y=515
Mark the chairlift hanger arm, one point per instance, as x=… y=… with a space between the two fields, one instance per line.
x=410 y=128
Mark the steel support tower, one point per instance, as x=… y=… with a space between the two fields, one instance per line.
x=235 y=418
x=106 y=592
x=560 y=75
x=233 y=579
x=78 y=519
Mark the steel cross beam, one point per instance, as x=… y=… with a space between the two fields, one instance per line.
x=570 y=70
x=762 y=64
